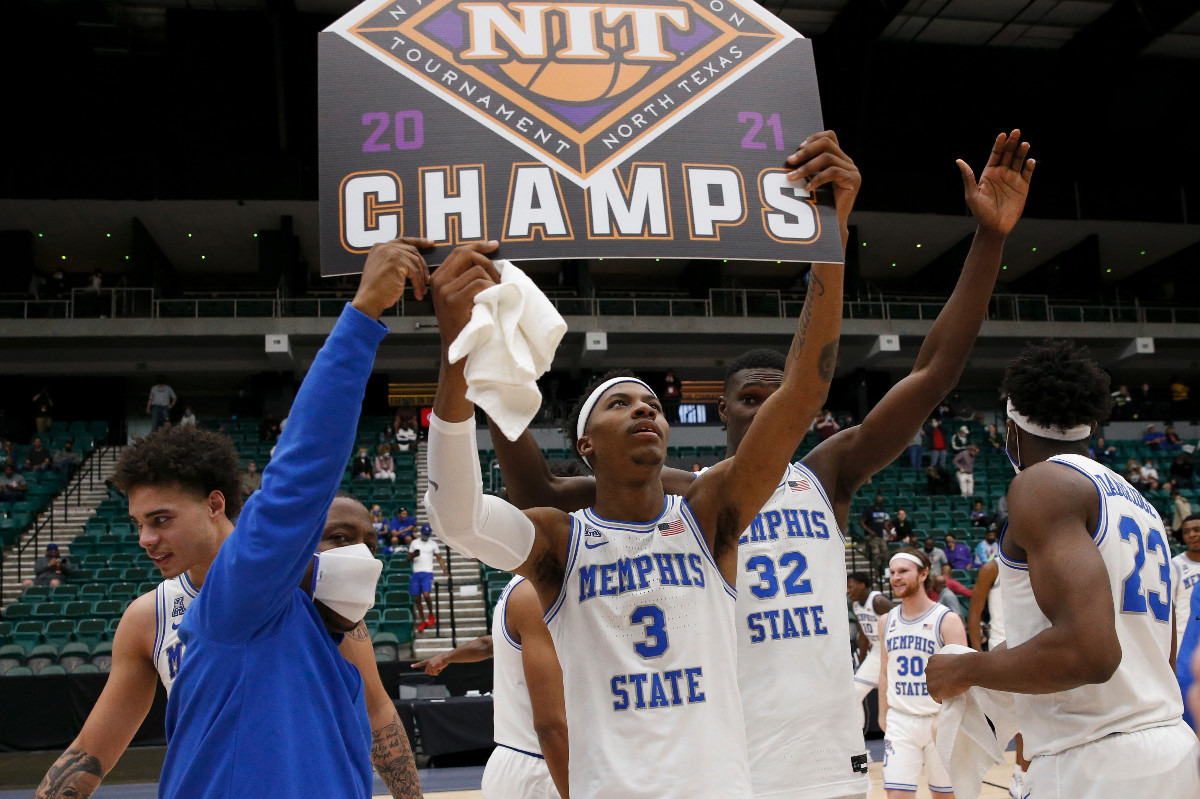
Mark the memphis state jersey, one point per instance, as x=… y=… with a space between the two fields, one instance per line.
x=644 y=629
x=910 y=643
x=171 y=600
x=868 y=619
x=512 y=711
x=1143 y=692
x=794 y=648
x=1185 y=575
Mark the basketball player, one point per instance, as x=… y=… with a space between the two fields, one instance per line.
x=911 y=634
x=1085 y=570
x=1185 y=574
x=146 y=648
x=530 y=759
x=805 y=734
x=869 y=608
x=638 y=589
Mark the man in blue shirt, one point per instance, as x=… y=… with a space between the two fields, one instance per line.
x=262 y=666
x=403 y=524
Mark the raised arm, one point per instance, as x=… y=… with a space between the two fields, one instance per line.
x=849 y=457
x=543 y=678
x=983 y=586
x=264 y=558
x=470 y=652
x=118 y=713
x=1050 y=508
x=726 y=497
x=531 y=543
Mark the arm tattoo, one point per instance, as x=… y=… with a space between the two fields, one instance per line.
x=74 y=775
x=827 y=362
x=393 y=759
x=801 y=329
x=360 y=632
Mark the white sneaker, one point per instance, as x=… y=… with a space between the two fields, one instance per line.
x=1016 y=788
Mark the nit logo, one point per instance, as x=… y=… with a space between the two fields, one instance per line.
x=579 y=85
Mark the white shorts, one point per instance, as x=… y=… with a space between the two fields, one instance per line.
x=907 y=747
x=1159 y=762
x=510 y=774
x=866 y=676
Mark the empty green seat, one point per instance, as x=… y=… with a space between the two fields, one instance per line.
x=91 y=631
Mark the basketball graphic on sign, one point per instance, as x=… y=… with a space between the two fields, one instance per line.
x=573 y=81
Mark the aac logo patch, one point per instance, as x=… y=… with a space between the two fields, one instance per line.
x=579 y=85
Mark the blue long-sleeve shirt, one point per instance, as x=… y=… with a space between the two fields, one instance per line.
x=1183 y=658
x=264 y=705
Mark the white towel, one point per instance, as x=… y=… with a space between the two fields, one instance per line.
x=967 y=745
x=509 y=343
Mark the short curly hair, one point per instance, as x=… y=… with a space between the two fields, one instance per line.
x=755 y=359
x=577 y=408
x=199 y=460
x=1057 y=384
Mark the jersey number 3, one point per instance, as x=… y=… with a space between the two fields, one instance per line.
x=1137 y=599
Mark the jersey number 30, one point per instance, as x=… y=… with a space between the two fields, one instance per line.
x=1137 y=599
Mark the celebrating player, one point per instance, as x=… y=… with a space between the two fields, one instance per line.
x=804 y=734
x=869 y=608
x=1085 y=569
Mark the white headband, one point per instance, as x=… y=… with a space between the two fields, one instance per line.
x=907 y=556
x=594 y=397
x=1022 y=421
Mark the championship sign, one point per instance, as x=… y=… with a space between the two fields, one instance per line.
x=642 y=128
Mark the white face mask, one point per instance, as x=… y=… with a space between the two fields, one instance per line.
x=344 y=579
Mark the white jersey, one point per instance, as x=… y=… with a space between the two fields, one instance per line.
x=512 y=710
x=171 y=600
x=910 y=644
x=868 y=619
x=803 y=718
x=1143 y=692
x=1185 y=573
x=644 y=628
x=995 y=603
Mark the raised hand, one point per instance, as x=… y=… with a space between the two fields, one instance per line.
x=820 y=159
x=389 y=266
x=998 y=199
x=465 y=272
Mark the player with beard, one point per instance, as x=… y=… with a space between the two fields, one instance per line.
x=911 y=634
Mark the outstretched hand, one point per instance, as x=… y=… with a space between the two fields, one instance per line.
x=821 y=160
x=998 y=199
x=389 y=266
x=433 y=666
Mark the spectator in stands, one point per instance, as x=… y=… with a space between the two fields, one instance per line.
x=12 y=485
x=937 y=444
x=964 y=465
x=42 y=405
x=938 y=482
x=1181 y=509
x=944 y=595
x=916 y=450
x=379 y=523
x=1104 y=452
x=38 y=458
x=51 y=569
x=1000 y=515
x=671 y=397
x=1122 y=403
x=406 y=434
x=1150 y=474
x=944 y=410
x=421 y=554
x=1172 y=441
x=995 y=441
x=1133 y=475
x=902 y=525
x=388 y=434
x=403 y=524
x=384 y=468
x=937 y=557
x=1143 y=403
x=188 y=418
x=960 y=440
x=979 y=516
x=987 y=549
x=1180 y=400
x=958 y=554
x=6 y=453
x=362 y=468
x=873 y=517
x=160 y=402
x=1153 y=438
x=962 y=408
x=1182 y=471
x=58 y=285
x=251 y=480
x=268 y=428
x=825 y=425
x=66 y=460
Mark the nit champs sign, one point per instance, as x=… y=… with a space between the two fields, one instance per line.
x=643 y=128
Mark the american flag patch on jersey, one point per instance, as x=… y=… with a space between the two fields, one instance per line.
x=799 y=485
x=671 y=528
x=927 y=625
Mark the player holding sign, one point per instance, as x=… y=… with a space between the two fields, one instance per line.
x=912 y=633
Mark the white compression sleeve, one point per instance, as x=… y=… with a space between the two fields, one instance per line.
x=479 y=526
